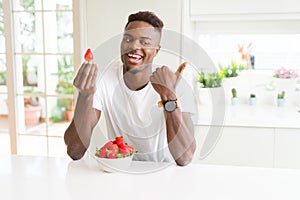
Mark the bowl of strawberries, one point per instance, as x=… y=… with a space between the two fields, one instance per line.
x=115 y=155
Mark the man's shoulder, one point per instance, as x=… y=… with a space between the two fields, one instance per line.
x=111 y=67
x=109 y=71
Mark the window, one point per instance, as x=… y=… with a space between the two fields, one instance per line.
x=270 y=51
x=274 y=41
x=4 y=133
x=42 y=52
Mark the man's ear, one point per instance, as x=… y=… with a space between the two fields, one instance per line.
x=157 y=50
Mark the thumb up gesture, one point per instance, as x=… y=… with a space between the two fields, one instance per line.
x=164 y=81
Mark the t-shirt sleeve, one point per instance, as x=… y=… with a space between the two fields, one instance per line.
x=105 y=83
x=97 y=102
x=98 y=96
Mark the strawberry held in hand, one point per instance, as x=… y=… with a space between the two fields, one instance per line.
x=115 y=149
x=88 y=56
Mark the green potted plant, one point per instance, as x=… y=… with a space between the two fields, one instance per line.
x=63 y=109
x=281 y=99
x=231 y=70
x=252 y=99
x=32 y=107
x=32 y=110
x=234 y=98
x=2 y=77
x=64 y=87
x=210 y=80
x=208 y=84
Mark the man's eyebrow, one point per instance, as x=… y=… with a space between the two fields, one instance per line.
x=146 y=38
x=127 y=34
x=143 y=37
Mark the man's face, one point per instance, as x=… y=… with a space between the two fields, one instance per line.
x=139 y=46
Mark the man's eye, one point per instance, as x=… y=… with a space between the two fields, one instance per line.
x=145 y=43
x=127 y=40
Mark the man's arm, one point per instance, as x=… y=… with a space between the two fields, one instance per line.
x=180 y=129
x=180 y=135
x=78 y=134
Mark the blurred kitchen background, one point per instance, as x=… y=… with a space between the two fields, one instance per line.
x=42 y=43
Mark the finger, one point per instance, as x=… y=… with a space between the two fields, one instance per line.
x=181 y=68
x=179 y=71
x=95 y=76
x=85 y=75
x=79 y=74
x=91 y=79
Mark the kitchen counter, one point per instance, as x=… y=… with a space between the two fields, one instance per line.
x=249 y=116
x=30 y=178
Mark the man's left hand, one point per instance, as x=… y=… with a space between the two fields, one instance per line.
x=164 y=81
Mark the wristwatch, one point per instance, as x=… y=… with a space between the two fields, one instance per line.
x=169 y=105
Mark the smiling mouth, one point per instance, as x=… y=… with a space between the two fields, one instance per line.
x=134 y=58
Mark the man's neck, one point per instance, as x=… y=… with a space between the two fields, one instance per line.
x=137 y=80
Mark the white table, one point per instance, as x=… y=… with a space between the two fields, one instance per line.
x=30 y=178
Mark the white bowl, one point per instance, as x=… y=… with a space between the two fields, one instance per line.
x=114 y=164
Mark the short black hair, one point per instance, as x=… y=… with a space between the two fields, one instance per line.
x=148 y=17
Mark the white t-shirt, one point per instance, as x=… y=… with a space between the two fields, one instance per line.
x=135 y=114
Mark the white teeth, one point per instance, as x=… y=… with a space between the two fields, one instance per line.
x=134 y=56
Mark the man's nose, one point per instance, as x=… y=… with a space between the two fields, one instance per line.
x=135 y=45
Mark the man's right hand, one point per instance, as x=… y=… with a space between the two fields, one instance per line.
x=78 y=134
x=85 y=80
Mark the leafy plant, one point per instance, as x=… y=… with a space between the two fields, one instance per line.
x=64 y=86
x=231 y=70
x=25 y=60
x=252 y=95
x=3 y=77
x=31 y=101
x=33 y=97
x=210 y=80
x=233 y=91
x=281 y=95
x=65 y=76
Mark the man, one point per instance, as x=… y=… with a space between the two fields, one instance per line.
x=127 y=94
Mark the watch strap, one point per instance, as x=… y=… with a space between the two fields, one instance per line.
x=162 y=103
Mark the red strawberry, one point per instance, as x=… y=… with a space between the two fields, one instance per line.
x=110 y=154
x=102 y=152
x=88 y=56
x=124 y=149
x=108 y=144
x=114 y=148
x=130 y=148
x=119 y=140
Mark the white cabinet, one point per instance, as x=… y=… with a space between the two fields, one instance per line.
x=251 y=146
x=245 y=146
x=287 y=148
x=245 y=9
x=243 y=6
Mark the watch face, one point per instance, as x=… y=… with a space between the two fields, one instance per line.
x=170 y=106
